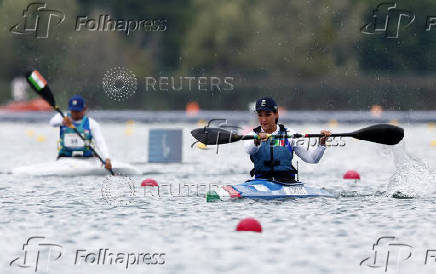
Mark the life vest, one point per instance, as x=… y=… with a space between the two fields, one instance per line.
x=71 y=144
x=273 y=157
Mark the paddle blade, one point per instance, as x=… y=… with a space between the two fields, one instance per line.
x=382 y=133
x=214 y=136
x=39 y=84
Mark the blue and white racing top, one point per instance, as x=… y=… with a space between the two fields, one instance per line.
x=311 y=156
x=98 y=138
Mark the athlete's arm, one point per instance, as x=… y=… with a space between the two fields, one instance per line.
x=309 y=156
x=56 y=121
x=100 y=142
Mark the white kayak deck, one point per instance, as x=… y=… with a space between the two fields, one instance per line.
x=74 y=167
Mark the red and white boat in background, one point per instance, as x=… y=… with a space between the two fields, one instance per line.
x=20 y=100
x=30 y=105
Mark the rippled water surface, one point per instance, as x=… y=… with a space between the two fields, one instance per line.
x=395 y=197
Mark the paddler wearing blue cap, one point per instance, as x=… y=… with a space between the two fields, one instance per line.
x=272 y=158
x=71 y=145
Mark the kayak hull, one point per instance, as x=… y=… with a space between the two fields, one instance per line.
x=75 y=167
x=265 y=189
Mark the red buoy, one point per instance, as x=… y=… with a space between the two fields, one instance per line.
x=149 y=182
x=352 y=174
x=249 y=224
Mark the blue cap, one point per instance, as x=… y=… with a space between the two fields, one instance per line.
x=266 y=104
x=76 y=103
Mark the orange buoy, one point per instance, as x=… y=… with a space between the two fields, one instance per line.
x=376 y=111
x=249 y=224
x=192 y=108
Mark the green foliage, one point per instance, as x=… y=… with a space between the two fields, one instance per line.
x=299 y=38
x=308 y=54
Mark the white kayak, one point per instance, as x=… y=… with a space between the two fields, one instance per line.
x=75 y=167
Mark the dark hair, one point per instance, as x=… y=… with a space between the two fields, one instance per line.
x=277 y=119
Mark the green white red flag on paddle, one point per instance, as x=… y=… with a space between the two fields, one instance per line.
x=36 y=79
x=40 y=85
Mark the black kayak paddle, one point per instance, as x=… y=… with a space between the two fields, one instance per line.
x=385 y=134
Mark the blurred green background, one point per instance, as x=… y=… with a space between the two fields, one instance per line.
x=308 y=55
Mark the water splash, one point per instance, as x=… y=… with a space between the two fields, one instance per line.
x=412 y=177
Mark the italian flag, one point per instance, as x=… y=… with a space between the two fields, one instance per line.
x=37 y=80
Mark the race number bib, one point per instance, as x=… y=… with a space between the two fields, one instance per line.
x=73 y=141
x=294 y=190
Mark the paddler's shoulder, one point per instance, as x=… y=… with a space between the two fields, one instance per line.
x=92 y=122
x=57 y=115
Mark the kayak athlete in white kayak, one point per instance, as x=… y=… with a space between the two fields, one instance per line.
x=272 y=158
x=71 y=145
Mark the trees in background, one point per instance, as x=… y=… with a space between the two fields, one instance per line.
x=309 y=54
